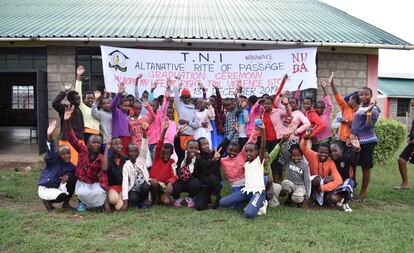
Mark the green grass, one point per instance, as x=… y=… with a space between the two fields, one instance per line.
x=384 y=223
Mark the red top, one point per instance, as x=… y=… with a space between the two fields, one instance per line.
x=270 y=130
x=87 y=171
x=316 y=122
x=161 y=171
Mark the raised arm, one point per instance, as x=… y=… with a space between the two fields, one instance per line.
x=136 y=91
x=262 y=142
x=331 y=82
x=73 y=140
x=279 y=90
x=297 y=93
x=307 y=152
x=57 y=102
x=51 y=154
x=94 y=110
x=78 y=85
x=115 y=101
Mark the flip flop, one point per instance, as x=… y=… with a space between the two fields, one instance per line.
x=400 y=187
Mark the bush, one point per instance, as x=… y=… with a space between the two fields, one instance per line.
x=391 y=135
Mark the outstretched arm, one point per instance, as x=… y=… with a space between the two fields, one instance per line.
x=78 y=85
x=262 y=142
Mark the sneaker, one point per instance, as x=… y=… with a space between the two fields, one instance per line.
x=274 y=202
x=340 y=203
x=262 y=210
x=146 y=205
x=177 y=202
x=190 y=202
x=346 y=208
x=81 y=207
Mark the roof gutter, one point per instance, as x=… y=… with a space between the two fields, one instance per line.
x=216 y=41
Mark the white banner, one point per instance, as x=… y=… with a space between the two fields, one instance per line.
x=260 y=71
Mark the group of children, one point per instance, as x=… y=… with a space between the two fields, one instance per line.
x=137 y=151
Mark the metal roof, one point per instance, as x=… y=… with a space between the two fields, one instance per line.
x=396 y=87
x=298 y=21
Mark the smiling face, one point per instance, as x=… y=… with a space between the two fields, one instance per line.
x=336 y=152
x=132 y=152
x=233 y=150
x=137 y=108
x=166 y=152
x=320 y=107
x=365 y=95
x=293 y=104
x=116 y=146
x=192 y=149
x=170 y=113
x=323 y=153
x=200 y=104
x=154 y=105
x=64 y=153
x=186 y=99
x=307 y=104
x=204 y=146
x=89 y=99
x=106 y=105
x=124 y=106
x=295 y=155
x=267 y=105
x=251 y=151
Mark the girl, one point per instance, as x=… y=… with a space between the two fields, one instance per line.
x=104 y=116
x=135 y=121
x=113 y=164
x=204 y=114
x=120 y=120
x=186 y=170
x=363 y=127
x=162 y=176
x=324 y=110
x=254 y=189
x=135 y=176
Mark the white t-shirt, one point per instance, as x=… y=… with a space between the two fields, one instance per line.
x=254 y=176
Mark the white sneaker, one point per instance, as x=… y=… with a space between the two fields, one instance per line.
x=262 y=210
x=346 y=208
x=340 y=203
x=274 y=202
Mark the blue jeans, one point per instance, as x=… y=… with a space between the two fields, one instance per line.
x=237 y=198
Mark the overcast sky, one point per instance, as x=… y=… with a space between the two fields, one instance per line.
x=395 y=17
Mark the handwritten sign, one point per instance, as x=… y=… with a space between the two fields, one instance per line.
x=260 y=71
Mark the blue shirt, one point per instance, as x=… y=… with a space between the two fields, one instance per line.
x=365 y=134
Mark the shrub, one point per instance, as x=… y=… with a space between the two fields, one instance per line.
x=391 y=135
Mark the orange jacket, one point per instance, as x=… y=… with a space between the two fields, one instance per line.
x=347 y=112
x=327 y=168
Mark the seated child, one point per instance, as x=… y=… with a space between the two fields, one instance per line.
x=135 y=176
x=113 y=166
x=324 y=175
x=57 y=180
x=162 y=176
x=254 y=188
x=186 y=170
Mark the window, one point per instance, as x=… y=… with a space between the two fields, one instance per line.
x=23 y=59
x=23 y=97
x=91 y=59
x=403 y=107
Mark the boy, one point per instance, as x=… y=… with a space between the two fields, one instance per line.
x=162 y=176
x=120 y=122
x=104 y=116
x=91 y=184
x=57 y=180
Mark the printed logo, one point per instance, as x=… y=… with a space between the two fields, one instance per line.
x=118 y=60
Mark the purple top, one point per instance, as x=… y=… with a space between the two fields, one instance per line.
x=325 y=117
x=365 y=134
x=119 y=119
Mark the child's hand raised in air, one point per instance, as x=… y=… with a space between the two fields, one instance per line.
x=80 y=71
x=285 y=138
x=68 y=112
x=308 y=133
x=353 y=140
x=166 y=124
x=97 y=94
x=51 y=129
x=108 y=143
x=153 y=86
x=121 y=88
x=67 y=87
x=331 y=78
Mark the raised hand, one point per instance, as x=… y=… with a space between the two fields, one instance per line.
x=170 y=83
x=167 y=93
x=239 y=85
x=80 y=71
x=166 y=124
x=201 y=86
x=137 y=79
x=144 y=125
x=153 y=86
x=97 y=94
x=68 y=112
x=323 y=84
x=216 y=85
x=121 y=88
x=331 y=78
x=285 y=78
x=139 y=76
x=308 y=133
x=217 y=154
x=108 y=143
x=106 y=94
x=181 y=129
x=51 y=128
x=67 y=87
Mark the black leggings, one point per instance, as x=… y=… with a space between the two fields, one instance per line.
x=136 y=197
x=70 y=186
x=210 y=186
x=192 y=186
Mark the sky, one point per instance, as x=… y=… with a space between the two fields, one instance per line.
x=395 y=17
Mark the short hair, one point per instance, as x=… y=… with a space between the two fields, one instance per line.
x=169 y=146
x=87 y=93
x=213 y=96
x=253 y=99
x=356 y=98
x=123 y=100
x=145 y=92
x=243 y=96
x=129 y=96
x=337 y=143
x=368 y=89
x=234 y=144
x=295 y=99
x=131 y=145
x=321 y=102
x=309 y=98
x=254 y=145
x=324 y=145
x=72 y=95
x=201 y=139
x=293 y=147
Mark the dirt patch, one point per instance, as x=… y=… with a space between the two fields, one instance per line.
x=118 y=233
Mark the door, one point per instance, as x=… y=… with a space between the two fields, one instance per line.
x=42 y=110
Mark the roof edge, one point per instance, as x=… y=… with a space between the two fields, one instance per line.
x=218 y=41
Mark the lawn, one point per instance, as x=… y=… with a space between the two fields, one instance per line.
x=384 y=223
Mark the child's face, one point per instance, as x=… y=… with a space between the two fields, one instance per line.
x=267 y=105
x=204 y=146
x=76 y=100
x=166 y=154
x=186 y=99
x=352 y=103
x=64 y=153
x=201 y=105
x=132 y=152
x=125 y=106
x=170 y=113
x=212 y=101
x=154 y=105
x=295 y=155
x=228 y=105
x=243 y=102
x=233 y=151
x=365 y=96
x=89 y=99
x=116 y=146
x=137 y=109
x=293 y=104
x=94 y=143
x=192 y=149
x=144 y=96
x=336 y=152
x=307 y=105
x=323 y=153
x=251 y=152
x=106 y=105
x=320 y=107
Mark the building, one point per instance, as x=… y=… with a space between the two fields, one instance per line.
x=42 y=42
x=394 y=96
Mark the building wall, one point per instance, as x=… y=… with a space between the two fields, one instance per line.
x=393 y=113
x=60 y=69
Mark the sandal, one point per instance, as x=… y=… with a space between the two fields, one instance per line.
x=401 y=187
